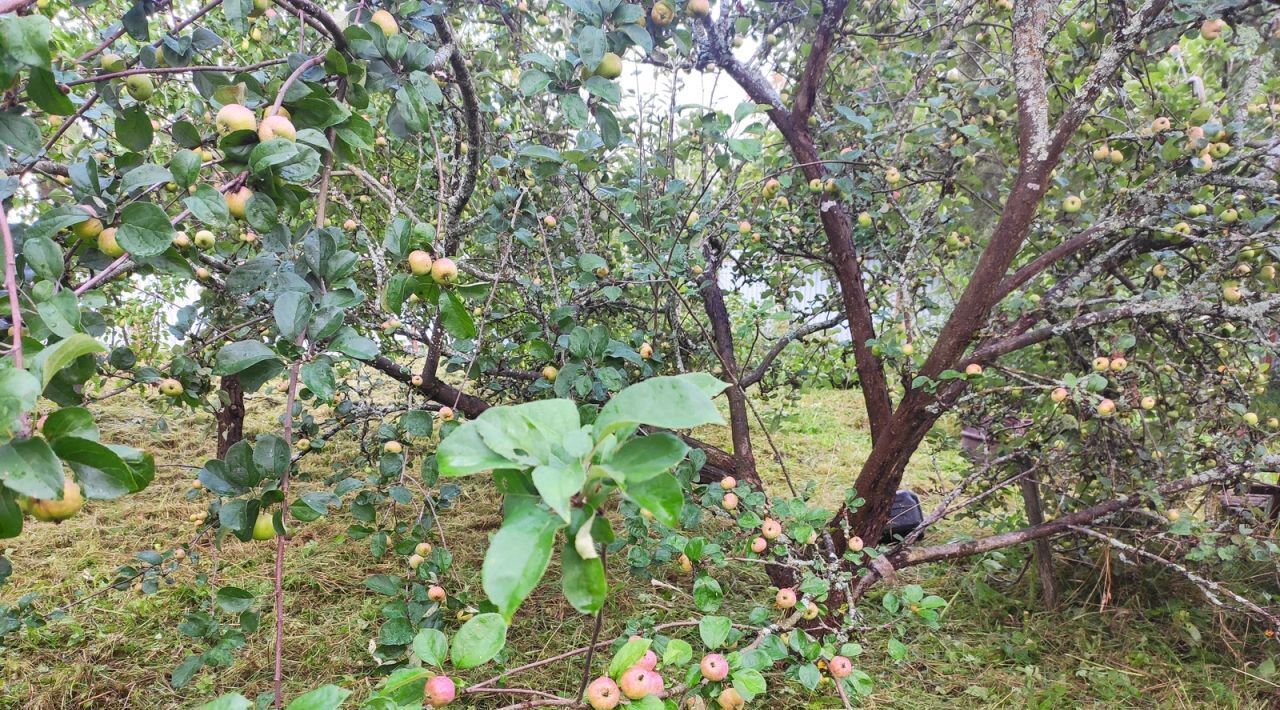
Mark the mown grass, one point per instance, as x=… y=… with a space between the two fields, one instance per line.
x=996 y=647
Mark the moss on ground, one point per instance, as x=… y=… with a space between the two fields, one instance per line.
x=995 y=649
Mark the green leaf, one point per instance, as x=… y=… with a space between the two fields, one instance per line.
x=319 y=378
x=463 y=452
x=534 y=81
x=677 y=653
x=20 y=132
x=749 y=683
x=292 y=311
x=68 y=421
x=44 y=257
x=674 y=402
x=402 y=689
x=455 y=316
x=592 y=44
x=19 y=391
x=661 y=496
x=209 y=206
x=101 y=470
x=519 y=554
x=271 y=455
x=26 y=39
x=630 y=654
x=51 y=360
x=645 y=457
x=133 y=129
x=326 y=697
x=557 y=484
x=239 y=356
x=707 y=595
x=233 y=600
x=478 y=641
x=185 y=167
x=713 y=630
x=145 y=175
x=583 y=581
x=231 y=701
x=385 y=584
x=31 y=468
x=276 y=151
x=10 y=515
x=352 y=344
x=431 y=646
x=418 y=422
x=145 y=230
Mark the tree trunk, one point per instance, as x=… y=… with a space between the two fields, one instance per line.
x=744 y=460
x=230 y=415
x=1043 y=548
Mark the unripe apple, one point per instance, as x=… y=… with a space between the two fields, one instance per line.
x=1251 y=418
x=636 y=682
x=139 y=86
x=1197 y=209
x=446 y=414
x=263 y=528
x=759 y=545
x=1116 y=156
x=234 y=117
x=892 y=176
x=550 y=221
x=416 y=380
x=88 y=229
x=646 y=351
x=1229 y=215
x=610 y=66
x=444 y=271
x=277 y=127
x=107 y=243
x=1212 y=29
x=385 y=22
x=415 y=560
x=973 y=369
x=58 y=509
x=1102 y=152
x=770 y=529
x=840 y=667
x=856 y=544
x=1106 y=408
x=864 y=219
x=815 y=186
x=549 y=373
x=237 y=202
x=771 y=188
x=419 y=262
x=202 y=274
x=436 y=593
x=649 y=661
x=1101 y=363
x=785 y=598
x=1219 y=150
x=728 y=483
x=392 y=447
x=602 y=271
x=603 y=694
x=1231 y=294
x=205 y=240
x=1059 y=394
x=1072 y=204
x=698 y=8
x=111 y=62
x=1148 y=402
x=170 y=387
x=1160 y=125
x=422 y=548
x=730 y=699
x=440 y=691
x=662 y=14
x=730 y=501
x=1118 y=364
x=181 y=240
x=1159 y=271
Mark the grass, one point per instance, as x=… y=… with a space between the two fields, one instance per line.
x=996 y=648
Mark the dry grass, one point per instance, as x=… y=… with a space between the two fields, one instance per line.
x=118 y=648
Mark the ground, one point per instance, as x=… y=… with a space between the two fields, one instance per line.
x=996 y=647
